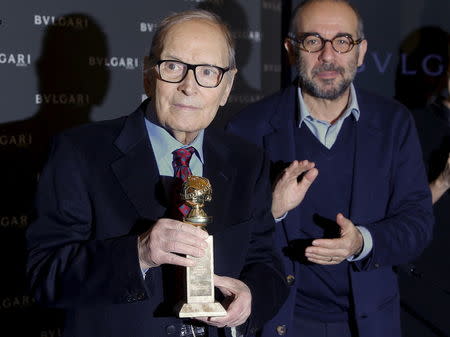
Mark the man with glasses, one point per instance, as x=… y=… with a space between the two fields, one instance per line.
x=367 y=208
x=108 y=244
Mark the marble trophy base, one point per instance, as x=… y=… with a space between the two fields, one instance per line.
x=200 y=288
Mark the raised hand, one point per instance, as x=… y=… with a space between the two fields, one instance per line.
x=288 y=192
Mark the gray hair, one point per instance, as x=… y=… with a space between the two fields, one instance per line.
x=196 y=14
x=299 y=8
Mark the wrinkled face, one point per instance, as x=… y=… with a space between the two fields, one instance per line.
x=186 y=107
x=327 y=74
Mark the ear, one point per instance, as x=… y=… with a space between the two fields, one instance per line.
x=229 y=78
x=362 y=52
x=148 y=77
x=290 y=51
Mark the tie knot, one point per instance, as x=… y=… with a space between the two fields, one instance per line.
x=182 y=157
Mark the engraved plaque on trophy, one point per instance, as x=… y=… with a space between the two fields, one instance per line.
x=199 y=279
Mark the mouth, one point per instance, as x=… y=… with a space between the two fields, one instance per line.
x=187 y=107
x=327 y=75
x=328 y=72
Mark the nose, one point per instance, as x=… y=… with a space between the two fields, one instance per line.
x=188 y=85
x=327 y=54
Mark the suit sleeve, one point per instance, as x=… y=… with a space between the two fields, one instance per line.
x=263 y=272
x=407 y=228
x=67 y=265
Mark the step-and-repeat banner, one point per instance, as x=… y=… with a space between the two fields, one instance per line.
x=64 y=63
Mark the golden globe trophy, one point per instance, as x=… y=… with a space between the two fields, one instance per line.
x=199 y=279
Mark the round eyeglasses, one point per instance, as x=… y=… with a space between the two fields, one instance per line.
x=313 y=43
x=206 y=75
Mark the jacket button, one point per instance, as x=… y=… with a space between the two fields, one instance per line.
x=170 y=329
x=281 y=330
x=290 y=280
x=130 y=299
x=140 y=296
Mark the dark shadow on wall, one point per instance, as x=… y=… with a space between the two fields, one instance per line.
x=70 y=83
x=421 y=72
x=242 y=94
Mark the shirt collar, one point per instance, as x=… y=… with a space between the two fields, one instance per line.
x=163 y=143
x=352 y=106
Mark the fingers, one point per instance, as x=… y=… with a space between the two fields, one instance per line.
x=167 y=238
x=333 y=251
x=297 y=168
x=239 y=308
x=343 y=222
x=325 y=256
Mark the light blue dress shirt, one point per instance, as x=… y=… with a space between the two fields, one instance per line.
x=327 y=133
x=163 y=144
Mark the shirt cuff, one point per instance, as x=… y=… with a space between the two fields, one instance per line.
x=281 y=218
x=367 y=245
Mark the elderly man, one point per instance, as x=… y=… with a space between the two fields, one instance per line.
x=106 y=242
x=368 y=207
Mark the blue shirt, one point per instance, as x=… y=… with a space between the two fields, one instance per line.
x=326 y=132
x=163 y=144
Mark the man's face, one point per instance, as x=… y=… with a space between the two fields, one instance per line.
x=327 y=74
x=186 y=107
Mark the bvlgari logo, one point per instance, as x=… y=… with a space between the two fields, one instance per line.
x=19 y=140
x=147 y=27
x=274 y=5
x=19 y=221
x=17 y=59
x=130 y=63
x=51 y=333
x=79 y=22
x=274 y=68
x=253 y=35
x=63 y=98
x=16 y=302
x=244 y=99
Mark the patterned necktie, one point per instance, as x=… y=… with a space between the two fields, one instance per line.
x=180 y=164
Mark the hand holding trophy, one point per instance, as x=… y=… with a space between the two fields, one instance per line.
x=199 y=278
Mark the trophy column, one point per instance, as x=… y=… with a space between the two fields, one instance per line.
x=200 y=300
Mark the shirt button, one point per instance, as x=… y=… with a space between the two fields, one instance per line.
x=170 y=329
x=290 y=280
x=281 y=330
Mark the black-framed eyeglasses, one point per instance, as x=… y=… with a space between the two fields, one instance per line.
x=313 y=42
x=206 y=75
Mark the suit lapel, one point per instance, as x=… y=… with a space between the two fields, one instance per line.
x=367 y=161
x=281 y=147
x=137 y=171
x=280 y=144
x=220 y=174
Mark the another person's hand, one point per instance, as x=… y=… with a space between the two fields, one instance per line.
x=167 y=238
x=442 y=183
x=288 y=192
x=239 y=303
x=334 y=251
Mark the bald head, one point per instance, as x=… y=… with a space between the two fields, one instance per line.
x=298 y=15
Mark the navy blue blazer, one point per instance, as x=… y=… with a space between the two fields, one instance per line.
x=101 y=188
x=390 y=197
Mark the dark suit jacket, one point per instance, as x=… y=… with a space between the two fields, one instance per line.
x=389 y=196
x=100 y=189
